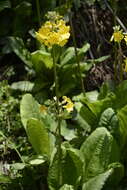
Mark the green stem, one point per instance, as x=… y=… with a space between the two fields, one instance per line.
x=76 y=55
x=58 y=118
x=38 y=12
x=115 y=64
x=120 y=63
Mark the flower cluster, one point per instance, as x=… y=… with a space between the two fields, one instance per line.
x=69 y=105
x=54 y=32
x=118 y=35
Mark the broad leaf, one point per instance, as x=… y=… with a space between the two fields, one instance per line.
x=122 y=116
x=81 y=119
x=84 y=49
x=92 y=96
x=71 y=168
x=68 y=57
x=97 y=182
x=25 y=86
x=29 y=108
x=17 y=46
x=121 y=100
x=109 y=120
x=117 y=175
x=99 y=150
x=89 y=117
x=18 y=166
x=67 y=187
x=36 y=160
x=106 y=89
x=38 y=136
x=41 y=59
x=99 y=106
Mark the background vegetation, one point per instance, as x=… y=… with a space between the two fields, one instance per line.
x=94 y=135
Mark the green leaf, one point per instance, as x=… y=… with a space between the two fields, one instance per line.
x=37 y=160
x=4 y=4
x=99 y=150
x=41 y=59
x=99 y=106
x=25 y=86
x=92 y=96
x=4 y=179
x=71 y=168
x=122 y=116
x=117 y=175
x=84 y=49
x=67 y=78
x=18 y=166
x=109 y=120
x=100 y=59
x=88 y=116
x=67 y=133
x=97 y=182
x=106 y=89
x=38 y=136
x=121 y=100
x=67 y=187
x=29 y=108
x=17 y=46
x=81 y=119
x=68 y=57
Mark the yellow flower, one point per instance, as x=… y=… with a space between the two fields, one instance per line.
x=66 y=100
x=54 y=33
x=117 y=35
x=125 y=38
x=69 y=104
x=125 y=61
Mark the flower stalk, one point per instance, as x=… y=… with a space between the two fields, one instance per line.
x=53 y=33
x=58 y=118
x=117 y=37
x=115 y=62
x=120 y=61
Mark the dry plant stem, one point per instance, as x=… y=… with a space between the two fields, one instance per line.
x=85 y=30
x=58 y=118
x=76 y=55
x=38 y=12
x=116 y=17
